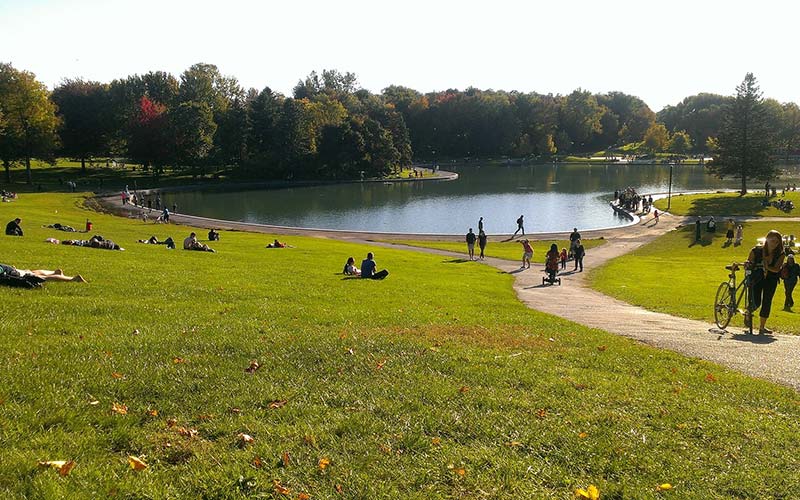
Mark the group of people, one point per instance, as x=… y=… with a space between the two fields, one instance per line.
x=369 y=269
x=631 y=201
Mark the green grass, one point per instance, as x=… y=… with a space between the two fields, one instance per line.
x=403 y=384
x=502 y=249
x=675 y=276
x=728 y=204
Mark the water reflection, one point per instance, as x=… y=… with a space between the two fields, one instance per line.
x=553 y=197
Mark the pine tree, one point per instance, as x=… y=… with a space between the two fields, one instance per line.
x=746 y=139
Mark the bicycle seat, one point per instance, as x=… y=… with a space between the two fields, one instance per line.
x=733 y=267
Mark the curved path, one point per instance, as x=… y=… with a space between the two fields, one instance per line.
x=775 y=357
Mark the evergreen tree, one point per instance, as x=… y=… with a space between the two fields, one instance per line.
x=745 y=142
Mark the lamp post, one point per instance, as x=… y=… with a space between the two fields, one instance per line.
x=669 y=194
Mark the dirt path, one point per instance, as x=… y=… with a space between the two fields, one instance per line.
x=775 y=357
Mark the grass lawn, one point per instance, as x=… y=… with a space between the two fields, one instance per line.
x=501 y=249
x=675 y=276
x=435 y=383
x=728 y=204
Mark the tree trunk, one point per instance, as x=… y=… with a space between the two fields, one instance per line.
x=83 y=164
x=7 y=165
x=744 y=185
x=28 y=170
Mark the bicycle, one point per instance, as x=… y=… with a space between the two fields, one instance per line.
x=730 y=296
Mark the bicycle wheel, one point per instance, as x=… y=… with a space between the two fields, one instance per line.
x=723 y=305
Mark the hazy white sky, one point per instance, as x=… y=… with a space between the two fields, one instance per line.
x=659 y=51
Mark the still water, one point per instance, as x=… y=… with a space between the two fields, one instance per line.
x=553 y=197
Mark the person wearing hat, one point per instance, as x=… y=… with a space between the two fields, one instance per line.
x=13 y=228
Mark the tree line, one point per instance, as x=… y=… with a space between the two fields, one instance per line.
x=330 y=128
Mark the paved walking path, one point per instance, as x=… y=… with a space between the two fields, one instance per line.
x=774 y=357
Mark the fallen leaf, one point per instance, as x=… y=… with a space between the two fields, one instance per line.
x=590 y=493
x=379 y=365
x=177 y=360
x=286 y=458
x=136 y=332
x=436 y=441
x=513 y=444
x=303 y=496
x=323 y=463
x=116 y=375
x=236 y=411
x=62 y=466
x=460 y=471
x=601 y=348
x=463 y=389
x=152 y=413
x=94 y=402
x=119 y=409
x=541 y=413
x=257 y=462
x=279 y=488
x=278 y=403
x=253 y=367
x=171 y=422
x=342 y=336
x=205 y=416
x=136 y=463
x=710 y=377
x=245 y=439
x=583 y=435
x=339 y=488
x=664 y=487
x=190 y=433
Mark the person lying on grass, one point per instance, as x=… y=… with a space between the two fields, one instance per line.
x=95 y=242
x=278 y=244
x=191 y=243
x=61 y=227
x=154 y=241
x=7 y=271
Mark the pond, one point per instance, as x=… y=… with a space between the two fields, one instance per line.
x=553 y=197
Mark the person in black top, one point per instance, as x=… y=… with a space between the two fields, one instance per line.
x=482 y=242
x=520 y=227
x=471 y=244
x=765 y=264
x=789 y=273
x=13 y=229
x=580 y=252
x=573 y=237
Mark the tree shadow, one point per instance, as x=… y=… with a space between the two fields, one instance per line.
x=727 y=205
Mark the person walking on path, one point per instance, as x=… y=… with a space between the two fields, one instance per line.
x=573 y=237
x=580 y=252
x=655 y=216
x=527 y=253
x=480 y=225
x=789 y=274
x=482 y=242
x=13 y=228
x=765 y=264
x=520 y=226
x=471 y=244
x=697 y=230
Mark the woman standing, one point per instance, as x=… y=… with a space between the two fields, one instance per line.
x=789 y=274
x=765 y=263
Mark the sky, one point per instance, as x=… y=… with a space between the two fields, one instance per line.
x=659 y=51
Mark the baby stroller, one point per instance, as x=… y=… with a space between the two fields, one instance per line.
x=551 y=268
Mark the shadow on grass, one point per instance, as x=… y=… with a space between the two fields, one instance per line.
x=455 y=261
x=706 y=238
x=727 y=205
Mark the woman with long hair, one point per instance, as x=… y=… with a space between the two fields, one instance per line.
x=765 y=264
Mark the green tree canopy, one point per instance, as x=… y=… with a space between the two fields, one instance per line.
x=85 y=124
x=745 y=142
x=656 y=139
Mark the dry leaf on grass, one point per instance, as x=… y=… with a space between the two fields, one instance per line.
x=136 y=463
x=190 y=433
x=277 y=403
x=303 y=496
x=323 y=463
x=664 y=487
x=119 y=409
x=62 y=466
x=117 y=375
x=257 y=462
x=590 y=493
x=176 y=360
x=244 y=439
x=152 y=413
x=463 y=389
x=171 y=422
x=583 y=435
x=286 y=458
x=253 y=367
x=279 y=488
x=436 y=441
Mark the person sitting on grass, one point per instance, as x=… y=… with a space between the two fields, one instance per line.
x=13 y=228
x=350 y=268
x=191 y=243
x=8 y=272
x=527 y=253
x=368 y=267
x=213 y=235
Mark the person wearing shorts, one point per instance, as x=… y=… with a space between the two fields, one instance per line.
x=471 y=244
x=527 y=253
